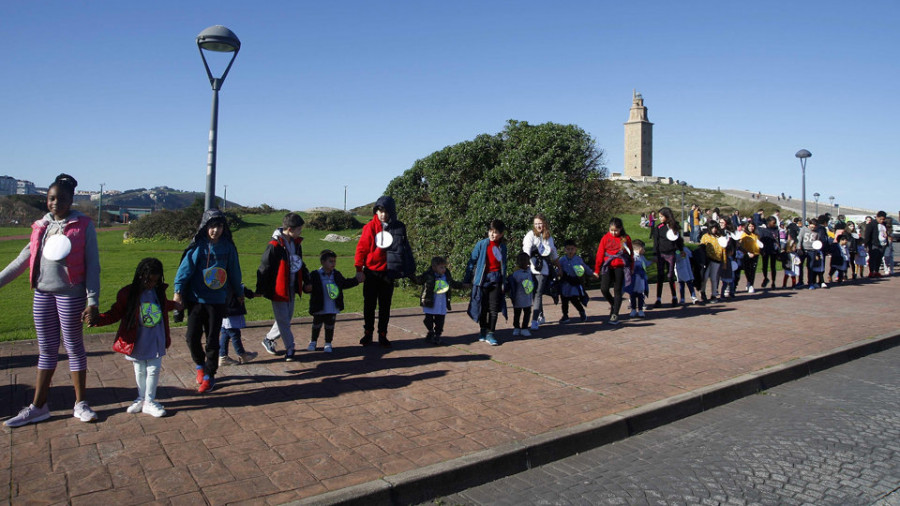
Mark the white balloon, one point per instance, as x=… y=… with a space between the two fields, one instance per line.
x=57 y=247
x=723 y=241
x=817 y=244
x=384 y=239
x=672 y=235
x=759 y=243
x=855 y=235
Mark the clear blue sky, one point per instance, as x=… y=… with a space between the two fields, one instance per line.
x=327 y=94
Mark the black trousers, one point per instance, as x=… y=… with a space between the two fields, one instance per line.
x=616 y=277
x=491 y=301
x=576 y=301
x=326 y=320
x=749 y=268
x=378 y=291
x=204 y=319
x=434 y=323
x=524 y=313
x=876 y=255
x=768 y=260
x=665 y=272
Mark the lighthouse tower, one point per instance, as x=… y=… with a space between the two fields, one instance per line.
x=638 y=140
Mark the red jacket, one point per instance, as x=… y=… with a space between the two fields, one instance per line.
x=367 y=254
x=273 y=278
x=117 y=314
x=610 y=245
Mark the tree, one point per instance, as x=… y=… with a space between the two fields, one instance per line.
x=447 y=198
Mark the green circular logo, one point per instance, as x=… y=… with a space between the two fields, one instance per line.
x=579 y=270
x=441 y=286
x=333 y=290
x=151 y=314
x=528 y=286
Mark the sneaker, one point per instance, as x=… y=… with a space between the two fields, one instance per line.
x=541 y=320
x=207 y=384
x=535 y=325
x=726 y=293
x=481 y=335
x=84 y=412
x=812 y=287
x=750 y=289
x=312 y=346
x=657 y=304
x=155 y=409
x=31 y=414
x=247 y=356
x=694 y=299
x=633 y=313
x=517 y=332
x=436 y=340
x=135 y=407
x=680 y=302
x=328 y=348
x=489 y=338
x=613 y=319
x=525 y=333
x=383 y=340
x=269 y=345
x=765 y=282
x=714 y=300
x=200 y=373
x=824 y=285
x=289 y=356
x=583 y=317
x=366 y=339
x=675 y=302
x=564 y=320
x=641 y=314
x=226 y=360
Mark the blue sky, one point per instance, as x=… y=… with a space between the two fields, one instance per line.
x=327 y=94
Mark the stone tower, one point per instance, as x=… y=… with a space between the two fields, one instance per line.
x=638 y=140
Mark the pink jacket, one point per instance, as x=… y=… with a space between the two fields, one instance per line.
x=75 y=231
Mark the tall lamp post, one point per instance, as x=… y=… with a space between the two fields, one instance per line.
x=803 y=154
x=831 y=198
x=816 y=196
x=225 y=198
x=100 y=207
x=221 y=40
x=682 y=184
x=345 y=197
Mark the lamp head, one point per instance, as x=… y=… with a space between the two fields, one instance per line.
x=803 y=154
x=218 y=38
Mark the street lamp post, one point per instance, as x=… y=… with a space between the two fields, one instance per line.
x=831 y=198
x=225 y=198
x=682 y=184
x=222 y=40
x=345 y=197
x=803 y=154
x=100 y=207
x=816 y=196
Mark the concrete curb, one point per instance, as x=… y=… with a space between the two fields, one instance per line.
x=423 y=484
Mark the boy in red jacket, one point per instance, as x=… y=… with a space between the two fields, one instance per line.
x=382 y=255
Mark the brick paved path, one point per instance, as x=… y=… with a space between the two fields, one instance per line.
x=276 y=432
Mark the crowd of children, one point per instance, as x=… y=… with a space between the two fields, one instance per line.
x=208 y=282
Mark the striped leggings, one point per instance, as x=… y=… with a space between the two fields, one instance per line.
x=52 y=313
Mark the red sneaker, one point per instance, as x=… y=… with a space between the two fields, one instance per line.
x=200 y=374
x=207 y=384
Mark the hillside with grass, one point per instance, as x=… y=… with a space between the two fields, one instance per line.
x=637 y=198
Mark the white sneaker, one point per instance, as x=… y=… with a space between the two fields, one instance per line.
x=84 y=412
x=135 y=407
x=517 y=332
x=154 y=409
x=750 y=289
x=535 y=325
x=633 y=313
x=541 y=320
x=824 y=285
x=30 y=414
x=247 y=356
x=312 y=346
x=694 y=299
x=226 y=360
x=328 y=348
x=525 y=333
x=726 y=293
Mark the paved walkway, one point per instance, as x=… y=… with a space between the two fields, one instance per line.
x=275 y=432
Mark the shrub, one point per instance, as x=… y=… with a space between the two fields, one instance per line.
x=179 y=225
x=333 y=220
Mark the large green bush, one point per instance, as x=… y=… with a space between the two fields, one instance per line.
x=447 y=198
x=333 y=220
x=180 y=225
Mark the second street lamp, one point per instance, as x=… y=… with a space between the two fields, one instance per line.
x=803 y=154
x=816 y=196
x=221 y=40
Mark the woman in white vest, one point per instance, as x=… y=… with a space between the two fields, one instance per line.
x=538 y=244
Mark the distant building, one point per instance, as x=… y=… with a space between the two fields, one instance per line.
x=8 y=185
x=25 y=188
x=638 y=140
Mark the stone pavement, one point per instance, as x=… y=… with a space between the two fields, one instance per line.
x=273 y=432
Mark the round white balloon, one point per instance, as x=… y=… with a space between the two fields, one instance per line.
x=57 y=247
x=817 y=244
x=672 y=235
x=759 y=244
x=384 y=239
x=723 y=241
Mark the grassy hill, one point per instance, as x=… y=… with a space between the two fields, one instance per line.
x=640 y=198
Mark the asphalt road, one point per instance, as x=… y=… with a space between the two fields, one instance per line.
x=832 y=438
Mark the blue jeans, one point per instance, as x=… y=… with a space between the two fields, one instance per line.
x=695 y=232
x=235 y=336
x=146 y=374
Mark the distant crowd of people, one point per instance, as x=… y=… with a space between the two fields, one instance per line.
x=64 y=263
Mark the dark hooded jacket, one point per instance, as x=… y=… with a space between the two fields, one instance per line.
x=200 y=256
x=395 y=260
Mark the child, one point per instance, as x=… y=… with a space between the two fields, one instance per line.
x=667 y=239
x=231 y=331
x=435 y=300
x=520 y=285
x=749 y=245
x=66 y=284
x=790 y=263
x=639 y=287
x=614 y=263
x=140 y=308
x=208 y=264
x=684 y=271
x=715 y=255
x=382 y=255
x=810 y=237
x=727 y=272
x=326 y=299
x=573 y=269
x=280 y=276
x=840 y=258
x=486 y=271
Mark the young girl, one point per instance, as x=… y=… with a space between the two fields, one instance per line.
x=65 y=277
x=572 y=271
x=209 y=263
x=715 y=255
x=435 y=300
x=667 y=240
x=639 y=287
x=749 y=244
x=684 y=272
x=520 y=286
x=539 y=245
x=140 y=308
x=791 y=263
x=840 y=258
x=486 y=271
x=853 y=245
x=614 y=263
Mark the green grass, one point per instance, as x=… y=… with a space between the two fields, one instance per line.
x=118 y=261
